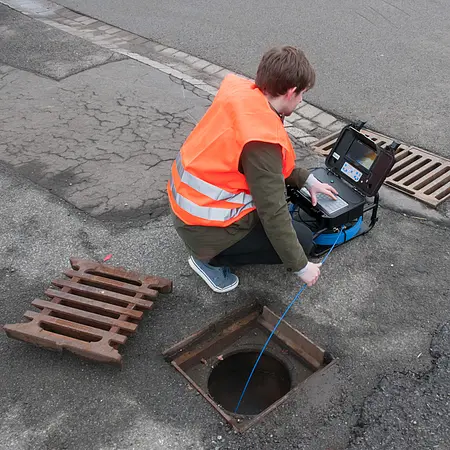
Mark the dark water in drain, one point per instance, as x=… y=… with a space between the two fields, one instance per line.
x=270 y=381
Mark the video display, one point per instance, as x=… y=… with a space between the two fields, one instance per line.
x=362 y=154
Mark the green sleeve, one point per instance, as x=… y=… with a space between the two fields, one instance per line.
x=262 y=166
x=298 y=177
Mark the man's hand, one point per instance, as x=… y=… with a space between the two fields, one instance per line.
x=310 y=273
x=315 y=187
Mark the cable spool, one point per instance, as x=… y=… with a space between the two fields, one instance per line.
x=328 y=239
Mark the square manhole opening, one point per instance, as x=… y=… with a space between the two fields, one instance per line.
x=218 y=359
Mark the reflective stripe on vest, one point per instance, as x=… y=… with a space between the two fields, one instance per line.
x=209 y=190
x=206 y=212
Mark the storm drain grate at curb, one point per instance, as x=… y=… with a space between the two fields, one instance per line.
x=324 y=146
x=91 y=312
x=416 y=172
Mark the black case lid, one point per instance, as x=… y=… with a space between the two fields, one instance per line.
x=367 y=170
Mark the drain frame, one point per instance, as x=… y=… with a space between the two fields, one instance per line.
x=196 y=356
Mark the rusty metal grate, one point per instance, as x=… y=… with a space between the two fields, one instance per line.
x=422 y=175
x=91 y=312
x=324 y=146
x=416 y=172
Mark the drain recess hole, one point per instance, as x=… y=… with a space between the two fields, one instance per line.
x=271 y=381
x=65 y=331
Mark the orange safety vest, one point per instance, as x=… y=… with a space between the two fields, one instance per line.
x=206 y=187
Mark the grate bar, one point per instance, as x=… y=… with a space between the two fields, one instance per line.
x=399 y=155
x=159 y=284
x=115 y=328
x=443 y=193
x=103 y=294
x=428 y=178
x=423 y=172
x=84 y=315
x=408 y=168
x=438 y=183
x=403 y=163
x=74 y=326
x=80 y=302
x=83 y=301
x=108 y=283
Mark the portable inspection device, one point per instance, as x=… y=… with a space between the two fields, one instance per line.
x=356 y=167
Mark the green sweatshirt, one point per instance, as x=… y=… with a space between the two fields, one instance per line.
x=261 y=163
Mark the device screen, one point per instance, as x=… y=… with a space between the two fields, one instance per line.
x=362 y=154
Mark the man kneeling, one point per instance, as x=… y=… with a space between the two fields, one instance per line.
x=227 y=186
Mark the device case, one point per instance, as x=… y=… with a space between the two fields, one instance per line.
x=371 y=180
x=356 y=190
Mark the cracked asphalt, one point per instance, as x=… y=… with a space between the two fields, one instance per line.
x=104 y=140
x=382 y=61
x=83 y=165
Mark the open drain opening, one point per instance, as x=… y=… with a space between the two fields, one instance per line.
x=271 y=381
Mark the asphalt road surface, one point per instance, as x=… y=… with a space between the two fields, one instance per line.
x=385 y=61
x=105 y=136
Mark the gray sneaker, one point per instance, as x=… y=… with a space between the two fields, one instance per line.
x=219 y=279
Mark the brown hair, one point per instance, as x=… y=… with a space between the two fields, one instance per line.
x=283 y=68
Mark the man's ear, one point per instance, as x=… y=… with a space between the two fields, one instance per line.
x=291 y=92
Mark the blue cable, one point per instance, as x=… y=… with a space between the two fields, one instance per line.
x=279 y=321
